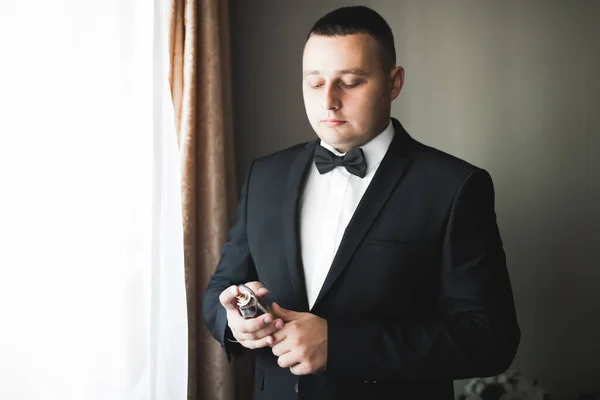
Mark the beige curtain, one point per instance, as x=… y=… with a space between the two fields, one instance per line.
x=201 y=88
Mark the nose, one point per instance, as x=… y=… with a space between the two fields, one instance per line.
x=331 y=99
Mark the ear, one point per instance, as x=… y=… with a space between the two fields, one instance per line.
x=396 y=81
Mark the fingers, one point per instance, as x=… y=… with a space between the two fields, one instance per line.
x=268 y=330
x=288 y=359
x=296 y=364
x=279 y=336
x=278 y=349
x=286 y=315
x=254 y=325
x=227 y=298
x=257 y=288
x=254 y=332
x=262 y=337
x=257 y=344
x=302 y=369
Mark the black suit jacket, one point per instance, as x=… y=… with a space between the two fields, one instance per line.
x=418 y=293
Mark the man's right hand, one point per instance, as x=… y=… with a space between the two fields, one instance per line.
x=251 y=333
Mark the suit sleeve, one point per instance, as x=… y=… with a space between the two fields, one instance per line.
x=235 y=267
x=475 y=331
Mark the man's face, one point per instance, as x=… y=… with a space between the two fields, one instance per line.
x=347 y=91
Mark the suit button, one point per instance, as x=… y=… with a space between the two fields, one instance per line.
x=296 y=387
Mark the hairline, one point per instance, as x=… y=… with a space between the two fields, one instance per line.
x=389 y=63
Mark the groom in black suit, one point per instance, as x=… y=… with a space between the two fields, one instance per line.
x=379 y=256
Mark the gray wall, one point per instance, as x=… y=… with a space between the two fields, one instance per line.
x=511 y=86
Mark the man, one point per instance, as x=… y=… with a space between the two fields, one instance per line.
x=381 y=256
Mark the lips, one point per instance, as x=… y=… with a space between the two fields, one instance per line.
x=332 y=122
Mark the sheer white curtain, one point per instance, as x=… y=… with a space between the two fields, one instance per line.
x=92 y=293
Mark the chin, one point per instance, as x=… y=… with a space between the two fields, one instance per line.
x=334 y=140
x=330 y=137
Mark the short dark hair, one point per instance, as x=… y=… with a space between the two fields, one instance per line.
x=358 y=19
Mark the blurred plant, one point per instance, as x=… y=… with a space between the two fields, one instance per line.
x=507 y=386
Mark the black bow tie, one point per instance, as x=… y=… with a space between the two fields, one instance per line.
x=353 y=161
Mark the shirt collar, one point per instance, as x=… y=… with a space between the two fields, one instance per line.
x=374 y=149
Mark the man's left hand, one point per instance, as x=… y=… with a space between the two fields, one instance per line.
x=301 y=345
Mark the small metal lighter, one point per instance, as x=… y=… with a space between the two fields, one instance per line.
x=248 y=304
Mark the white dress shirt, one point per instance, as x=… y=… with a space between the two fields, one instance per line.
x=327 y=205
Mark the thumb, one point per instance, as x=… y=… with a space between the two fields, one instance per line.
x=285 y=315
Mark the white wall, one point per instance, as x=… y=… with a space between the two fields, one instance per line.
x=511 y=86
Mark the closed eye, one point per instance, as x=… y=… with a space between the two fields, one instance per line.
x=350 y=85
x=341 y=84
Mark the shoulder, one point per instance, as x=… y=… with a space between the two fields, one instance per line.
x=430 y=164
x=444 y=171
x=280 y=159
x=439 y=161
x=285 y=155
x=274 y=168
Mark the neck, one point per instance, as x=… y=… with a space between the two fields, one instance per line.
x=344 y=148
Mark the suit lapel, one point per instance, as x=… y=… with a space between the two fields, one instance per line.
x=387 y=176
x=290 y=218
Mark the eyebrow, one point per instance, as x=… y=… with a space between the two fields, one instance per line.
x=352 y=71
